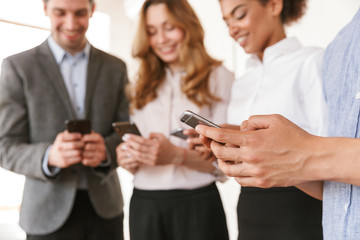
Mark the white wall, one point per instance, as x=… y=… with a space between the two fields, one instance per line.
x=318 y=27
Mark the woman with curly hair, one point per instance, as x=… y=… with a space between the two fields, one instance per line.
x=174 y=196
x=283 y=78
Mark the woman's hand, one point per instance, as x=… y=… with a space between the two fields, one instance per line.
x=125 y=160
x=193 y=139
x=195 y=143
x=155 y=150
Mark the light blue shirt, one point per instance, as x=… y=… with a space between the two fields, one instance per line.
x=73 y=69
x=341 y=81
x=74 y=72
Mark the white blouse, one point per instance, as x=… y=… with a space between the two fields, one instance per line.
x=162 y=115
x=287 y=82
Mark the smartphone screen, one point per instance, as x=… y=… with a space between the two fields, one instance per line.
x=192 y=119
x=82 y=126
x=125 y=127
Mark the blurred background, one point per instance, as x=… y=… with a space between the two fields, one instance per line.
x=23 y=25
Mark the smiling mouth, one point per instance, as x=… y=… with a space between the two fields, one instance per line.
x=71 y=34
x=241 y=39
x=166 y=50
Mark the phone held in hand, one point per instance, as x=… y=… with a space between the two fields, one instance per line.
x=82 y=126
x=125 y=127
x=192 y=119
x=178 y=132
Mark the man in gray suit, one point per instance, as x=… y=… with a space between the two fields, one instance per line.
x=72 y=190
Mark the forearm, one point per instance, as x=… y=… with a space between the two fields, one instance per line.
x=314 y=189
x=334 y=159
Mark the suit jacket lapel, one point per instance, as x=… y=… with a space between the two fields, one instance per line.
x=50 y=67
x=94 y=67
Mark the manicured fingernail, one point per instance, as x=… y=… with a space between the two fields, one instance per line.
x=125 y=137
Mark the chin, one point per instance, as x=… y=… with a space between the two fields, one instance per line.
x=168 y=60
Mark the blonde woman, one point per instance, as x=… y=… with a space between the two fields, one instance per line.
x=175 y=196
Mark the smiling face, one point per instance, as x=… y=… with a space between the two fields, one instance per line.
x=165 y=39
x=69 y=22
x=253 y=25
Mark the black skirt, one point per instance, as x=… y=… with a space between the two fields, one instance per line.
x=278 y=214
x=177 y=215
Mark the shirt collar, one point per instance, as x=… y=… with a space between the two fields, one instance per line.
x=60 y=53
x=284 y=46
x=176 y=73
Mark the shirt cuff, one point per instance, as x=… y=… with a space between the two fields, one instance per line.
x=107 y=162
x=49 y=171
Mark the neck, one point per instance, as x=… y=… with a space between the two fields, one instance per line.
x=276 y=37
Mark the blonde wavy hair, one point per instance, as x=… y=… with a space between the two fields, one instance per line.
x=196 y=62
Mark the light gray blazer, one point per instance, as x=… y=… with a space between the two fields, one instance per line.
x=34 y=104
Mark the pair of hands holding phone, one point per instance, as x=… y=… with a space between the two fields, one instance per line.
x=78 y=144
x=158 y=150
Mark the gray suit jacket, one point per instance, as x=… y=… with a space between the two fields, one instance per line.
x=34 y=104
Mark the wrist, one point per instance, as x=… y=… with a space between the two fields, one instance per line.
x=180 y=156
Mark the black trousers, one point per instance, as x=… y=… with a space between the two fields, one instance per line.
x=84 y=224
x=178 y=215
x=278 y=214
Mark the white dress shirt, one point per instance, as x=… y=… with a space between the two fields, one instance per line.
x=162 y=115
x=287 y=82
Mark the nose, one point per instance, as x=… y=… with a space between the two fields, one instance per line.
x=233 y=29
x=70 y=21
x=161 y=37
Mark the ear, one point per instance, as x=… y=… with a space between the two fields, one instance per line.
x=92 y=9
x=275 y=6
x=45 y=7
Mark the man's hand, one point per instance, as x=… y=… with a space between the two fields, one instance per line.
x=94 y=150
x=66 y=150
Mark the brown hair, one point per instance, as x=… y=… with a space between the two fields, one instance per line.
x=292 y=10
x=196 y=61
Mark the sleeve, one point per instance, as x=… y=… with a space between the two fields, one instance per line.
x=122 y=114
x=221 y=81
x=313 y=95
x=49 y=171
x=17 y=154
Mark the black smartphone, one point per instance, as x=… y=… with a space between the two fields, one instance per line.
x=125 y=127
x=82 y=126
x=192 y=119
x=178 y=132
